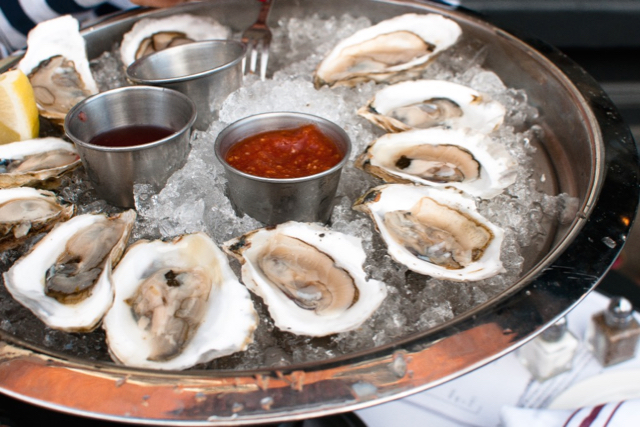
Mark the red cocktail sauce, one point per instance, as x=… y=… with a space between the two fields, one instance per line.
x=287 y=153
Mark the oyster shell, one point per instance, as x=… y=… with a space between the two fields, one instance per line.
x=177 y=304
x=25 y=211
x=151 y=35
x=468 y=161
x=65 y=279
x=310 y=278
x=434 y=232
x=33 y=161
x=384 y=50
x=422 y=104
x=57 y=65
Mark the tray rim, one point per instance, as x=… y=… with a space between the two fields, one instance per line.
x=385 y=362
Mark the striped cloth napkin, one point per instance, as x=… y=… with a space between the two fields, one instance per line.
x=615 y=414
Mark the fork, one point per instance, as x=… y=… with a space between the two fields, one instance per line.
x=258 y=38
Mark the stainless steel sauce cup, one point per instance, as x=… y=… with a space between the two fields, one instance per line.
x=114 y=170
x=206 y=71
x=276 y=200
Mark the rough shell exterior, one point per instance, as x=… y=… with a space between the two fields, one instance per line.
x=194 y=27
x=347 y=254
x=436 y=32
x=402 y=197
x=477 y=111
x=25 y=280
x=497 y=168
x=36 y=177
x=230 y=318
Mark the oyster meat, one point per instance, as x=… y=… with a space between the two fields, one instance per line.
x=25 y=211
x=177 y=304
x=65 y=279
x=151 y=35
x=422 y=104
x=383 y=51
x=434 y=232
x=310 y=278
x=468 y=161
x=34 y=161
x=57 y=65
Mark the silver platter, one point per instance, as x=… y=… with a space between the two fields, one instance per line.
x=588 y=151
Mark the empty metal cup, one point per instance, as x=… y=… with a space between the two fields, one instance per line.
x=276 y=200
x=113 y=170
x=206 y=71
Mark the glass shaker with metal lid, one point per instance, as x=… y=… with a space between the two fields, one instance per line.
x=550 y=353
x=613 y=334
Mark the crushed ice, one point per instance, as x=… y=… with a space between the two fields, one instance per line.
x=194 y=198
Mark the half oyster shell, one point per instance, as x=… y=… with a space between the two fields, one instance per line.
x=423 y=104
x=310 y=278
x=65 y=279
x=434 y=232
x=151 y=35
x=57 y=65
x=25 y=211
x=385 y=50
x=177 y=304
x=438 y=157
x=34 y=161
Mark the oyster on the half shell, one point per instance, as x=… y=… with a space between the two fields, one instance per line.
x=435 y=232
x=25 y=211
x=65 y=279
x=422 y=104
x=154 y=34
x=468 y=161
x=311 y=278
x=34 y=161
x=177 y=304
x=57 y=66
x=384 y=51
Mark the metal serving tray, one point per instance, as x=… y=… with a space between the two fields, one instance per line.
x=588 y=151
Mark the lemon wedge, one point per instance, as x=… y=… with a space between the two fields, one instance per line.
x=18 y=109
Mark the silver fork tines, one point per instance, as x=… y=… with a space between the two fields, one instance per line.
x=258 y=38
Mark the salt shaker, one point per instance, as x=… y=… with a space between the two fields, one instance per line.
x=550 y=353
x=613 y=334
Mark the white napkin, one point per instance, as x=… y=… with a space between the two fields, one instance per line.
x=615 y=414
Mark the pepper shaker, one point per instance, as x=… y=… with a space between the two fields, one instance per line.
x=613 y=334
x=550 y=353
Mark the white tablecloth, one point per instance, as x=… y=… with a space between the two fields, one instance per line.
x=477 y=398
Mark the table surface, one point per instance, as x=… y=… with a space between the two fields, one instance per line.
x=476 y=399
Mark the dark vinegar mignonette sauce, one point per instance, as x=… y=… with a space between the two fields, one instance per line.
x=130 y=136
x=287 y=153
